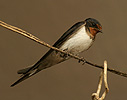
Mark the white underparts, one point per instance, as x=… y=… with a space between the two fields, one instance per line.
x=80 y=42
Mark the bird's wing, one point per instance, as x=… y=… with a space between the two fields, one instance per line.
x=30 y=71
x=68 y=34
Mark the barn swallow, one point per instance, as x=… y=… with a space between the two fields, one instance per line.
x=77 y=39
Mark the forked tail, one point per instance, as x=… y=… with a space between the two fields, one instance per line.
x=26 y=73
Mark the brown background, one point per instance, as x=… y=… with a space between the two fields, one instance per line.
x=48 y=20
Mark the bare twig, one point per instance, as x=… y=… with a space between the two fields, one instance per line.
x=95 y=96
x=32 y=37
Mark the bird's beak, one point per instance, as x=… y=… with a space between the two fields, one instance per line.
x=100 y=31
x=99 y=28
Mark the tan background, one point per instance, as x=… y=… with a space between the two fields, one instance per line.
x=48 y=20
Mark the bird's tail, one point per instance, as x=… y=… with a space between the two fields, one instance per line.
x=49 y=59
x=25 y=73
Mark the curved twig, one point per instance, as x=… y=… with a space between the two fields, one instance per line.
x=95 y=96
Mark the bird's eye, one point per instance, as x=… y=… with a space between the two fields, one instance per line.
x=94 y=24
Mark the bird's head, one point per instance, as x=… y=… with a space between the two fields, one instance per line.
x=93 y=26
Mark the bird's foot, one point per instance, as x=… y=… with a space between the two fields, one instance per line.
x=82 y=59
x=65 y=55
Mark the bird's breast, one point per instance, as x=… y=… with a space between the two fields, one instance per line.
x=80 y=42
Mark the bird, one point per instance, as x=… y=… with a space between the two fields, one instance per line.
x=75 y=40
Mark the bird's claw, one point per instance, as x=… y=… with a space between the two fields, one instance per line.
x=65 y=55
x=83 y=60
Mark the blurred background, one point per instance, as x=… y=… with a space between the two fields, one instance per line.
x=48 y=20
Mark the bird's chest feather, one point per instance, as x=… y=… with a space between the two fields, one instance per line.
x=79 y=42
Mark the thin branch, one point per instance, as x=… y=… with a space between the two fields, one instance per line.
x=95 y=96
x=105 y=81
x=100 y=82
x=32 y=37
x=105 y=76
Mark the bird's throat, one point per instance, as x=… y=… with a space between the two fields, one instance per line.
x=92 y=32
